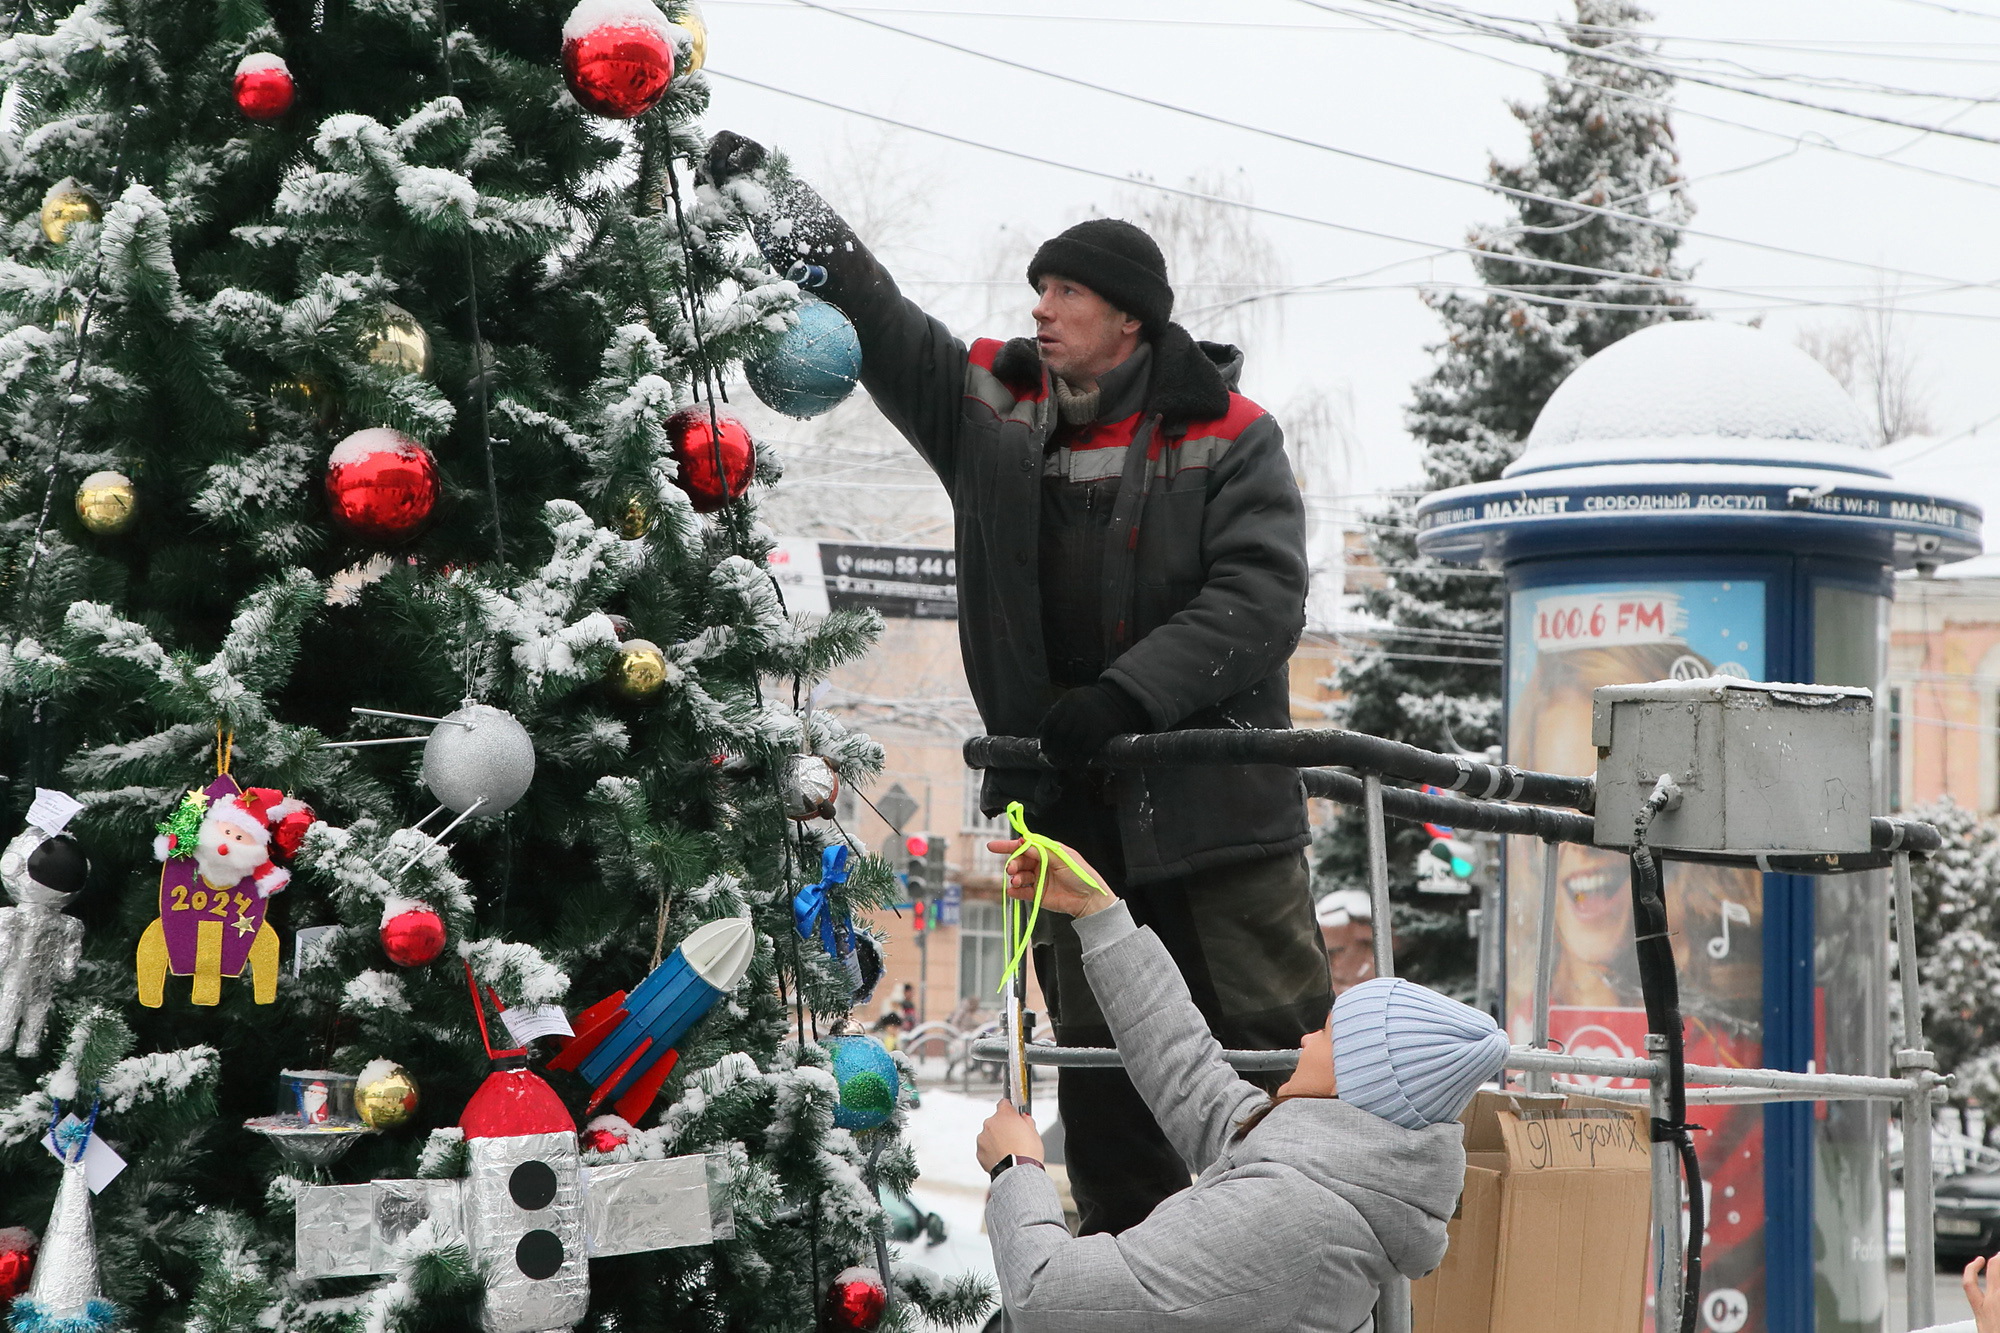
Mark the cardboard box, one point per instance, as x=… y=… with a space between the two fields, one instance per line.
x=1552 y=1229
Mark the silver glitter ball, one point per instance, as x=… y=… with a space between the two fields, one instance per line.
x=810 y=784
x=479 y=755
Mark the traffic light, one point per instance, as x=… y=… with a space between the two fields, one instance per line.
x=916 y=867
x=918 y=915
x=934 y=868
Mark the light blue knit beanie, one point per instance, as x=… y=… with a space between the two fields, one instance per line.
x=1409 y=1054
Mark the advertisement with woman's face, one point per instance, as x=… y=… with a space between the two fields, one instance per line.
x=1563 y=643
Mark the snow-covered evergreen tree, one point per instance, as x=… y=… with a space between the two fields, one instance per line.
x=1504 y=352
x=207 y=317
x=1957 y=900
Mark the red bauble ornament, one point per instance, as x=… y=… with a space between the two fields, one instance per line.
x=715 y=467
x=413 y=936
x=618 y=56
x=381 y=485
x=856 y=1300
x=606 y=1133
x=17 y=1262
x=264 y=88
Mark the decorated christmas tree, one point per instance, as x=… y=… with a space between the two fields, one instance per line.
x=1957 y=900
x=1601 y=138
x=380 y=575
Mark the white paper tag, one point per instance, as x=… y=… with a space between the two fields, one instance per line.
x=308 y=942
x=101 y=1162
x=53 y=809
x=548 y=1020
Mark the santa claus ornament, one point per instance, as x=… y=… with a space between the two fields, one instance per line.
x=263 y=86
x=618 y=56
x=215 y=885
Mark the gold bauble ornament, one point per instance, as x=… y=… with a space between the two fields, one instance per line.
x=639 y=671
x=388 y=1099
x=635 y=517
x=310 y=395
x=697 y=29
x=396 y=341
x=108 y=503
x=65 y=204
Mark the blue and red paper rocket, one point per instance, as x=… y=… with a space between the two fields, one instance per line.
x=624 y=1044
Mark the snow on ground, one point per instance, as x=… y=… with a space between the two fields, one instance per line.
x=941 y=1133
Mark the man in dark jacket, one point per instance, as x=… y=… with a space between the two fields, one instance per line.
x=1131 y=557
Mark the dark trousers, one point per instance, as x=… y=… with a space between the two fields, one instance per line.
x=1243 y=937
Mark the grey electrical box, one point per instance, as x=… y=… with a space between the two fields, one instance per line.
x=1761 y=767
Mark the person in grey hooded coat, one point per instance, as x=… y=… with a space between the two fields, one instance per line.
x=1305 y=1204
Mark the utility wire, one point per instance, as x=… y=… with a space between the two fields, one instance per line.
x=1512 y=192
x=1403 y=27
x=1437 y=249
x=1825 y=46
x=1490 y=25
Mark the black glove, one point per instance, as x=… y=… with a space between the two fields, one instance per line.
x=729 y=155
x=1084 y=719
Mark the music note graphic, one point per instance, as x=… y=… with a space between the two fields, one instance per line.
x=1718 y=948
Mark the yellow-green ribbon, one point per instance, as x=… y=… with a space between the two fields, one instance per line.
x=1018 y=937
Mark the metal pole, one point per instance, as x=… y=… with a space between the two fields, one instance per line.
x=1392 y=1307
x=1545 y=962
x=1667 y=1252
x=1912 y=1062
x=1378 y=876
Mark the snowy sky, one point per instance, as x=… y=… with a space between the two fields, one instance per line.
x=954 y=218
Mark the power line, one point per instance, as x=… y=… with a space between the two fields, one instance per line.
x=1509 y=191
x=1954 y=9
x=1796 y=140
x=1824 y=46
x=1489 y=24
x=1436 y=249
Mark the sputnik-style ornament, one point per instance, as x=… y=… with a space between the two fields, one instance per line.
x=478 y=761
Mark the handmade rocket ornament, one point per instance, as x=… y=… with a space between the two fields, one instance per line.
x=40 y=944
x=65 y=1294
x=624 y=1044
x=214 y=889
x=531 y=1214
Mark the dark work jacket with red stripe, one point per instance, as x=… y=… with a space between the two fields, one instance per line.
x=1204 y=573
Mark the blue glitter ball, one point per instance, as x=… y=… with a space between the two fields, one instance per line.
x=813 y=367
x=867 y=1079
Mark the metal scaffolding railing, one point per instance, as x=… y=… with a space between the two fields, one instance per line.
x=1496 y=798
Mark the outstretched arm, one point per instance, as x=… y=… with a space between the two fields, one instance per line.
x=1169 y=1054
x=911 y=364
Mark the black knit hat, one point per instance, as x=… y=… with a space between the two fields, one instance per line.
x=1117 y=261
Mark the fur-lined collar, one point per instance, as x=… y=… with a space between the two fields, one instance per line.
x=1191 y=380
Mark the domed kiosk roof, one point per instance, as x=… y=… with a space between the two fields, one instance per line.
x=1699 y=389
x=1697 y=434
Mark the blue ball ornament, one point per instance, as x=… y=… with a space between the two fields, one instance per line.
x=866 y=1076
x=813 y=367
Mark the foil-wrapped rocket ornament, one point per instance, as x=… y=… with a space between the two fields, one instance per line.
x=65 y=1294
x=624 y=1044
x=531 y=1214
x=40 y=946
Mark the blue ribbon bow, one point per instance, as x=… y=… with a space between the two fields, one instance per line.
x=809 y=907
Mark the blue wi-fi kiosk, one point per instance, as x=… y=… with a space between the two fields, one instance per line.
x=1699 y=499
